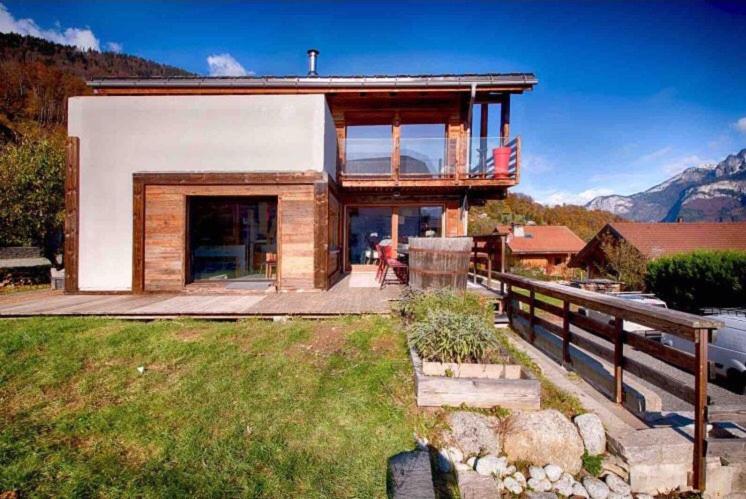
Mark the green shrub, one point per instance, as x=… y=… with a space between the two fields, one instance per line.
x=415 y=305
x=450 y=336
x=693 y=281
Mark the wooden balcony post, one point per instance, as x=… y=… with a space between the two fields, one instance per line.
x=566 y=332
x=509 y=303
x=483 y=134
x=532 y=314
x=505 y=120
x=396 y=154
x=700 y=409
x=618 y=359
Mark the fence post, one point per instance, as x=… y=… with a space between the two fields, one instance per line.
x=618 y=359
x=509 y=303
x=532 y=314
x=566 y=332
x=700 y=409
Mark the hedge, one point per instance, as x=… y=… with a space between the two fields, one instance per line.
x=693 y=281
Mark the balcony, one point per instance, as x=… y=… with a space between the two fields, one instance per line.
x=435 y=162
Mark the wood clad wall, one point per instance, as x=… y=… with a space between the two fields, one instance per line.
x=164 y=245
x=72 y=214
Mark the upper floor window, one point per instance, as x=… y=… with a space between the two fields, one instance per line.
x=422 y=149
x=368 y=149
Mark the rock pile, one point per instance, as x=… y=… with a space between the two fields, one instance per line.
x=481 y=449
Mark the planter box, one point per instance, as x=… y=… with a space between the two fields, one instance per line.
x=475 y=385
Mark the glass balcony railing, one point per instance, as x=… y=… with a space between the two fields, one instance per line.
x=437 y=157
x=368 y=156
x=493 y=157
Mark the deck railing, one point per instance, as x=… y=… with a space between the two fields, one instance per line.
x=555 y=310
x=431 y=157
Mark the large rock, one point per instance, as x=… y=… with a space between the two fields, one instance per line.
x=410 y=476
x=544 y=437
x=472 y=485
x=592 y=432
x=473 y=433
x=596 y=488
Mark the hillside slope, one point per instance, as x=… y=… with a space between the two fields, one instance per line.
x=707 y=192
x=520 y=208
x=37 y=77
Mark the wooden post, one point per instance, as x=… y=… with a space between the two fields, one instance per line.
x=618 y=359
x=483 y=133
x=72 y=214
x=489 y=269
x=502 y=260
x=700 y=409
x=396 y=156
x=509 y=303
x=566 y=332
x=531 y=314
x=505 y=120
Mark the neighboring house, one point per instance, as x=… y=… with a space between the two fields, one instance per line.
x=654 y=240
x=545 y=247
x=177 y=182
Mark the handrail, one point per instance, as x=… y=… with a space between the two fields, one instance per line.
x=571 y=324
x=673 y=321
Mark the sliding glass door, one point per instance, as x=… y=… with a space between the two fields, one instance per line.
x=231 y=238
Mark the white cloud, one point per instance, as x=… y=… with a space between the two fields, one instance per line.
x=578 y=198
x=226 y=65
x=83 y=38
x=114 y=47
x=741 y=125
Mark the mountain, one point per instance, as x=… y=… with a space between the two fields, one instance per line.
x=37 y=77
x=706 y=192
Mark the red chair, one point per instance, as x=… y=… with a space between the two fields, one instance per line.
x=399 y=269
x=381 y=265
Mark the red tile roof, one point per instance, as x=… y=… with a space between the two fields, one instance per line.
x=659 y=239
x=545 y=239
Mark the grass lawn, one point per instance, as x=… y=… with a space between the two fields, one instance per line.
x=297 y=409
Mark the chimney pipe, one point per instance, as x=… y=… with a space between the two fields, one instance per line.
x=313 y=54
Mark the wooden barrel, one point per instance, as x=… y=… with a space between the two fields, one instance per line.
x=439 y=262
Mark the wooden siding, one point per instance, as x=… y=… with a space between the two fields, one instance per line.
x=72 y=214
x=164 y=241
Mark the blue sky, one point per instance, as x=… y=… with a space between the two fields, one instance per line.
x=629 y=93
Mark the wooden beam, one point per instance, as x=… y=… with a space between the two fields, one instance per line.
x=138 y=235
x=505 y=118
x=566 y=332
x=321 y=235
x=71 y=247
x=396 y=148
x=227 y=178
x=618 y=360
x=699 y=481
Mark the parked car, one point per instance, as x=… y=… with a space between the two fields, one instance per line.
x=635 y=296
x=726 y=353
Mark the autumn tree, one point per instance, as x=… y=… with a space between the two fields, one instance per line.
x=623 y=262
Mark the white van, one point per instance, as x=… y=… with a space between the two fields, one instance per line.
x=726 y=353
x=635 y=296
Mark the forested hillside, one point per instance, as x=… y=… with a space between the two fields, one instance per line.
x=521 y=208
x=36 y=79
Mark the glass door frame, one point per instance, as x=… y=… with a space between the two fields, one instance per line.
x=347 y=265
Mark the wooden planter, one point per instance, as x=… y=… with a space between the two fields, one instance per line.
x=475 y=385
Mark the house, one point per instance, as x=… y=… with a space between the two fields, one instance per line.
x=179 y=184
x=548 y=248
x=653 y=240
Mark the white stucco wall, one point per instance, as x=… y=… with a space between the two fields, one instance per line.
x=234 y=133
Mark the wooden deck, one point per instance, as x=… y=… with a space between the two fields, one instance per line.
x=342 y=299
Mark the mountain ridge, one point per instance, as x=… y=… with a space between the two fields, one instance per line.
x=705 y=192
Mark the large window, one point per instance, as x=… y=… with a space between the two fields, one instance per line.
x=422 y=149
x=419 y=221
x=368 y=149
x=231 y=237
x=368 y=227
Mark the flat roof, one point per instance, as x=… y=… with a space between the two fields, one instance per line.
x=491 y=81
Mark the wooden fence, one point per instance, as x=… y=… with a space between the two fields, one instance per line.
x=560 y=319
